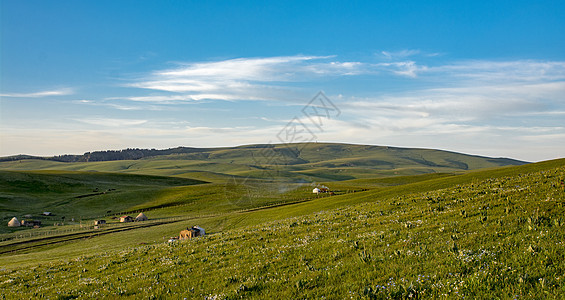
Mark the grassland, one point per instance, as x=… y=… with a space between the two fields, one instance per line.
x=494 y=233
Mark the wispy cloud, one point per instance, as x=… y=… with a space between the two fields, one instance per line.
x=109 y=122
x=402 y=68
x=40 y=94
x=280 y=68
x=240 y=79
x=462 y=108
x=502 y=71
x=121 y=105
x=406 y=53
x=166 y=99
x=400 y=54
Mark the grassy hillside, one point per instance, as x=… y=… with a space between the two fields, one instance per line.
x=76 y=195
x=485 y=234
x=295 y=162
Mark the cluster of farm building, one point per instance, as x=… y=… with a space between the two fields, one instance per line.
x=27 y=220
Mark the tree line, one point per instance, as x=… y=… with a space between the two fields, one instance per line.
x=108 y=155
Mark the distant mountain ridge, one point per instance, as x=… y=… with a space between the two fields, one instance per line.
x=137 y=153
x=300 y=162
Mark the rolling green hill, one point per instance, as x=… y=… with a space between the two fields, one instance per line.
x=494 y=233
x=241 y=178
x=77 y=195
x=294 y=162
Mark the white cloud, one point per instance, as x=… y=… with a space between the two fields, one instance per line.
x=164 y=99
x=48 y=93
x=400 y=54
x=502 y=71
x=268 y=78
x=464 y=103
x=109 y=122
x=121 y=106
x=403 y=68
x=249 y=69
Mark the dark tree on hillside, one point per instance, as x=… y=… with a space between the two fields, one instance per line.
x=125 y=154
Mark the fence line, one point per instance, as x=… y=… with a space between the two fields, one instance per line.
x=87 y=228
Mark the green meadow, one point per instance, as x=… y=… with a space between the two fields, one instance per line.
x=400 y=223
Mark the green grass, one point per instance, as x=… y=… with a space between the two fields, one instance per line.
x=486 y=234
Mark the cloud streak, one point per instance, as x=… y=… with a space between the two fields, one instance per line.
x=402 y=68
x=502 y=71
x=41 y=94
x=110 y=122
x=240 y=79
x=400 y=54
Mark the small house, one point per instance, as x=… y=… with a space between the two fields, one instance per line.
x=125 y=219
x=47 y=213
x=141 y=217
x=99 y=222
x=322 y=189
x=14 y=222
x=193 y=232
x=28 y=216
x=188 y=234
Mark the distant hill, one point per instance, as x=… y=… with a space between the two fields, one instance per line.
x=290 y=152
x=294 y=162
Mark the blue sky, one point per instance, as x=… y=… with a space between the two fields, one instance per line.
x=479 y=77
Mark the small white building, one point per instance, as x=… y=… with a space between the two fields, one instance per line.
x=316 y=191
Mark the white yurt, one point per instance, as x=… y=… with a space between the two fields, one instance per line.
x=316 y=191
x=14 y=222
x=141 y=217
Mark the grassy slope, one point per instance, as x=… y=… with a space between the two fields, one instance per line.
x=72 y=194
x=496 y=233
x=79 y=195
